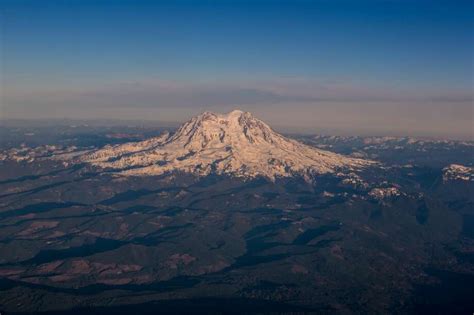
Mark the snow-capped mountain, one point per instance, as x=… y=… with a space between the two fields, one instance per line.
x=236 y=144
x=456 y=172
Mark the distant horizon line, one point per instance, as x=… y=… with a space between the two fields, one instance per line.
x=307 y=131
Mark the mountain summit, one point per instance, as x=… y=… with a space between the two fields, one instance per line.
x=235 y=144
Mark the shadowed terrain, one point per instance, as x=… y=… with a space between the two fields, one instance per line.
x=395 y=238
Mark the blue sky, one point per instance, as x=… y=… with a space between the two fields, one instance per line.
x=285 y=60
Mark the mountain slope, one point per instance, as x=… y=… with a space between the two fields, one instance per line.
x=236 y=144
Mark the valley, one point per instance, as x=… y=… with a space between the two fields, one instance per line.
x=353 y=238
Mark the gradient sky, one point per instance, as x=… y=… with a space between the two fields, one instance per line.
x=361 y=67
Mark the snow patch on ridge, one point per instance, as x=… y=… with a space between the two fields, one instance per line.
x=458 y=172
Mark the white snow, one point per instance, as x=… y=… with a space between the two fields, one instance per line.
x=383 y=193
x=458 y=172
